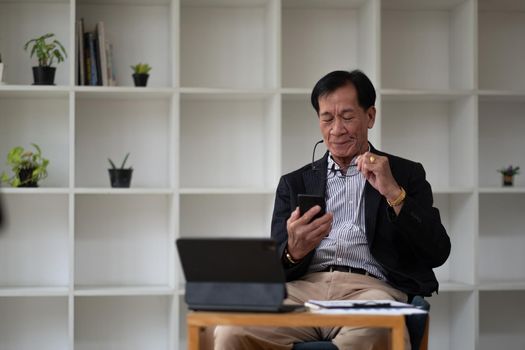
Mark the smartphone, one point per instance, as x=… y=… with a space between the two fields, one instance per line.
x=307 y=201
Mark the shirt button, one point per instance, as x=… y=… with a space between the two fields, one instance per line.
x=339 y=259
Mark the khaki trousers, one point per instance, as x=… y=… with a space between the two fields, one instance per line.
x=322 y=286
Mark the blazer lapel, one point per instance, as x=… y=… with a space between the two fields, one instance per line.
x=315 y=178
x=372 y=200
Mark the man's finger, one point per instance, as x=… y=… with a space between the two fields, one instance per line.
x=295 y=214
x=308 y=216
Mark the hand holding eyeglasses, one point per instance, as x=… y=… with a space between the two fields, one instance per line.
x=376 y=170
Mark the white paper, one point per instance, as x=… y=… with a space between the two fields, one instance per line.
x=368 y=307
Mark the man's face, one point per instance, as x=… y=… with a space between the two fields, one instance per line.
x=344 y=124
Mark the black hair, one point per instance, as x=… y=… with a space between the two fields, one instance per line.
x=366 y=94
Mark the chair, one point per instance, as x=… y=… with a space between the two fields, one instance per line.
x=417 y=326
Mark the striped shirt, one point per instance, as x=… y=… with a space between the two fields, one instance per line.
x=346 y=244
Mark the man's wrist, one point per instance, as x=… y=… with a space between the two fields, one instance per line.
x=399 y=199
x=289 y=258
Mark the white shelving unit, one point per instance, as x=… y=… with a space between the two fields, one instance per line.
x=226 y=112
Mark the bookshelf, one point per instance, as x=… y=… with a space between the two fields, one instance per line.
x=225 y=113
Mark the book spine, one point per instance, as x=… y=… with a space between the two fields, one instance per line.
x=80 y=51
x=77 y=54
x=111 y=66
x=97 y=59
x=102 y=54
x=91 y=63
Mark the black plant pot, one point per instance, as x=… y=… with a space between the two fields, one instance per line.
x=120 y=178
x=24 y=175
x=140 y=79
x=508 y=180
x=44 y=75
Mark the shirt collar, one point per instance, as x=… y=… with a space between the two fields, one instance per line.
x=332 y=164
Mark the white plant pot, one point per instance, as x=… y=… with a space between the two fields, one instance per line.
x=1 y=72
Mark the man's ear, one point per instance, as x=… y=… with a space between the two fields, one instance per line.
x=371 y=116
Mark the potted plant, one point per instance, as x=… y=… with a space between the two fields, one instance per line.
x=46 y=52
x=141 y=73
x=120 y=177
x=508 y=174
x=28 y=167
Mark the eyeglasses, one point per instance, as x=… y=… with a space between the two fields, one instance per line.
x=339 y=172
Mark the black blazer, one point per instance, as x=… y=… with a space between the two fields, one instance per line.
x=407 y=246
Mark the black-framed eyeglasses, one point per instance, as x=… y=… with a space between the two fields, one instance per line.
x=339 y=172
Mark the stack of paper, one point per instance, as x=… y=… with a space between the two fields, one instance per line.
x=375 y=307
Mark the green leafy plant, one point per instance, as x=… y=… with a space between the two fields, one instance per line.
x=141 y=68
x=21 y=160
x=510 y=170
x=45 y=51
x=113 y=166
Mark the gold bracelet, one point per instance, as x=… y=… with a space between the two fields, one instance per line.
x=288 y=257
x=399 y=198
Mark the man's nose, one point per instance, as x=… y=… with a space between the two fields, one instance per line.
x=338 y=127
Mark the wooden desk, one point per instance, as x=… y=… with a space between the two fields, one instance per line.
x=199 y=320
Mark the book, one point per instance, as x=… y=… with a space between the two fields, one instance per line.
x=91 y=63
x=81 y=65
x=111 y=68
x=102 y=56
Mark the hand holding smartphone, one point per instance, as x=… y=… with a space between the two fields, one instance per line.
x=308 y=201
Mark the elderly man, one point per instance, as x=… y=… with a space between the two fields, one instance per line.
x=380 y=237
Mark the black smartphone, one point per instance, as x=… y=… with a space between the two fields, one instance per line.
x=307 y=201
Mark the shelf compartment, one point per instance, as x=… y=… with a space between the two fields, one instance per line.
x=123 y=92
x=499 y=24
x=118 y=323
x=501 y=238
x=448 y=152
x=34 y=291
x=299 y=133
x=122 y=291
x=139 y=31
x=423 y=94
x=501 y=320
x=452 y=286
x=32 y=91
x=124 y=191
x=229 y=215
x=34 y=323
x=34 y=190
x=453 y=320
x=23 y=21
x=110 y=128
x=496 y=285
x=214 y=154
x=21 y=123
x=500 y=96
x=326 y=36
x=454 y=210
x=225 y=45
x=501 y=142
x=34 y=243
x=452 y=190
x=502 y=190
x=428 y=45
x=121 y=241
x=233 y=190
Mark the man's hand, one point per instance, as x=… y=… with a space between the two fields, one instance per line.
x=376 y=170
x=303 y=235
